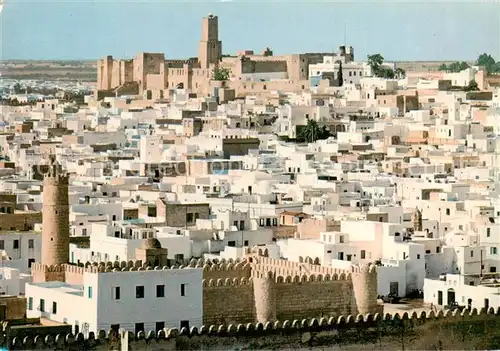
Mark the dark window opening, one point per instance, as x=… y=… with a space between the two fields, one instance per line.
x=139 y=292
x=160 y=291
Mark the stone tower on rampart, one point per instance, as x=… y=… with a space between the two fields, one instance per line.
x=55 y=221
x=364 y=282
x=209 y=48
x=264 y=292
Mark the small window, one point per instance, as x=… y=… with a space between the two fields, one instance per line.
x=447 y=211
x=160 y=291
x=116 y=293
x=246 y=243
x=488 y=232
x=42 y=305
x=139 y=292
x=31 y=244
x=2 y=245
x=341 y=239
x=90 y=292
x=54 y=307
x=30 y=303
x=16 y=244
x=231 y=243
x=418 y=256
x=183 y=289
x=363 y=254
x=493 y=250
x=472 y=253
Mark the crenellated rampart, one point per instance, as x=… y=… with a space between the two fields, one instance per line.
x=304 y=289
x=223 y=270
x=73 y=274
x=243 y=291
x=228 y=301
x=450 y=330
x=285 y=268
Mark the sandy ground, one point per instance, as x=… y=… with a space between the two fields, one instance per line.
x=409 y=306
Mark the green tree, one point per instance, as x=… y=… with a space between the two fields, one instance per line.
x=400 y=73
x=375 y=61
x=221 y=74
x=454 y=67
x=312 y=132
x=472 y=86
x=488 y=62
x=17 y=88
x=385 y=72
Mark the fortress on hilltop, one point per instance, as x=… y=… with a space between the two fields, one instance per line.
x=151 y=75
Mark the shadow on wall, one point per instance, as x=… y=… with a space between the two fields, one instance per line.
x=466 y=330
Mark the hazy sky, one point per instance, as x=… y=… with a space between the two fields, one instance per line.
x=399 y=30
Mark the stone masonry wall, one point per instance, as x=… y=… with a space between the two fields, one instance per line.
x=307 y=299
x=228 y=301
x=15 y=306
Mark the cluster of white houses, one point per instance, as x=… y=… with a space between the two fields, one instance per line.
x=406 y=181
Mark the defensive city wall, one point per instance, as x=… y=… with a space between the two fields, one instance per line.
x=451 y=331
x=248 y=291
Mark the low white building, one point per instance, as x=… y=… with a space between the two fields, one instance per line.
x=12 y=282
x=352 y=72
x=467 y=290
x=21 y=249
x=132 y=300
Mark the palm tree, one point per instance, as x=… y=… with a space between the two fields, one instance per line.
x=400 y=73
x=312 y=132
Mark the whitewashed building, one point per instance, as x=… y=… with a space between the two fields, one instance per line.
x=140 y=300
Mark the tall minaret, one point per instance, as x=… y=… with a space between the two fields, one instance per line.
x=209 y=48
x=55 y=220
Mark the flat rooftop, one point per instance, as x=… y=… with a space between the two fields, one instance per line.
x=62 y=287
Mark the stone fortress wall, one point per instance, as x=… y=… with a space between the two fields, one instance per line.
x=458 y=330
x=263 y=289
x=247 y=291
